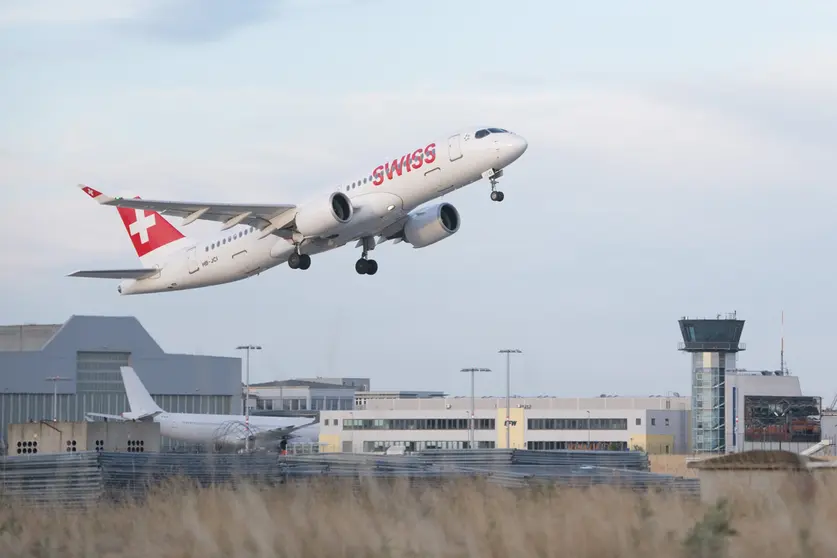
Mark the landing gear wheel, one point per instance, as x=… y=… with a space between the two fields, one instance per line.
x=299 y=261
x=361 y=266
x=497 y=196
x=371 y=267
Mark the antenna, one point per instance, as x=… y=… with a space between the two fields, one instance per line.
x=782 y=350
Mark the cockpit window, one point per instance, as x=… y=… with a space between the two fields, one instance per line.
x=485 y=132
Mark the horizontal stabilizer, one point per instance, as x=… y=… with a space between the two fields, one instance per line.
x=115 y=273
x=90 y=416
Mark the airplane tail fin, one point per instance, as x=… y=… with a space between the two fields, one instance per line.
x=152 y=235
x=139 y=400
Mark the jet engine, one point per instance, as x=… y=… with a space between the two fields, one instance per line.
x=323 y=216
x=430 y=225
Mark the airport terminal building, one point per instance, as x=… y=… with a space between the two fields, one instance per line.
x=80 y=360
x=654 y=424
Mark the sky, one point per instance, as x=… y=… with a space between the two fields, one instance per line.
x=680 y=163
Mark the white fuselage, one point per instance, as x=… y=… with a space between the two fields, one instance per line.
x=380 y=197
x=230 y=429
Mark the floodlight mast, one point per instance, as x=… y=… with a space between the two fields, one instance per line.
x=247 y=349
x=471 y=434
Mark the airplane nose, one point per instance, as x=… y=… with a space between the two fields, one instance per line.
x=519 y=145
x=511 y=148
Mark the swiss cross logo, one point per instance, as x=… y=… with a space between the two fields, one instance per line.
x=148 y=229
x=141 y=225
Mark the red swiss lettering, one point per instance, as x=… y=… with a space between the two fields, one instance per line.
x=411 y=161
x=378 y=175
x=417 y=158
x=430 y=153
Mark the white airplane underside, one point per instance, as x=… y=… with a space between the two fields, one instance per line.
x=378 y=206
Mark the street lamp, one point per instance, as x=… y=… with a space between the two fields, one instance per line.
x=508 y=390
x=55 y=380
x=247 y=348
x=471 y=436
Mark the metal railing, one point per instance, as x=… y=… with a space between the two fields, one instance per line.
x=86 y=477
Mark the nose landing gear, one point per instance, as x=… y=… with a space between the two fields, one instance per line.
x=493 y=177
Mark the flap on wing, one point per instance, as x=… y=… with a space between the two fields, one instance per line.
x=260 y=216
x=254 y=215
x=280 y=432
x=115 y=273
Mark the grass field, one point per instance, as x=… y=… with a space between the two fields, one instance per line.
x=464 y=519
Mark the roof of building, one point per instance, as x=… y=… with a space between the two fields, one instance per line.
x=37 y=337
x=299 y=383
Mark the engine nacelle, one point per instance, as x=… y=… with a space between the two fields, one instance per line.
x=430 y=225
x=322 y=217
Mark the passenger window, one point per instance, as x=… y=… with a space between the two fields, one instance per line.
x=481 y=134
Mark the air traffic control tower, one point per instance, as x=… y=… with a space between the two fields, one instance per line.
x=714 y=345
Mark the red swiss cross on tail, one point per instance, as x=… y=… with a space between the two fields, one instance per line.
x=148 y=229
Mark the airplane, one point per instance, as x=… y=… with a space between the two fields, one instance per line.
x=372 y=208
x=218 y=430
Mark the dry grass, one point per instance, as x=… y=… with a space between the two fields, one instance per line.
x=460 y=520
x=671 y=465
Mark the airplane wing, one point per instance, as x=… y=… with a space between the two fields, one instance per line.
x=116 y=273
x=260 y=216
x=264 y=434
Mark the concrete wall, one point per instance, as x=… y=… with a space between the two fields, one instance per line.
x=68 y=437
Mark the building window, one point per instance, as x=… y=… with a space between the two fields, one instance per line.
x=639 y=422
x=666 y=422
x=653 y=422
x=578 y=424
x=416 y=424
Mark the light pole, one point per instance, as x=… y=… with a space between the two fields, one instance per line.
x=508 y=391
x=247 y=348
x=55 y=380
x=471 y=435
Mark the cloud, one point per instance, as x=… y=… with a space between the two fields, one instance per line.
x=201 y=20
x=39 y=12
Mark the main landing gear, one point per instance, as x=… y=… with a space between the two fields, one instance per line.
x=299 y=261
x=493 y=177
x=365 y=266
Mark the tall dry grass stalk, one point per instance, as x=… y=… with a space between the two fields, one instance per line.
x=461 y=519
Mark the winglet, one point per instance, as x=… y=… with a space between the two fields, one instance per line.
x=95 y=194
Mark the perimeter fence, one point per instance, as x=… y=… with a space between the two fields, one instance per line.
x=86 y=477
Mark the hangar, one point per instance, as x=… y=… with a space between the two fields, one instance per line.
x=80 y=360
